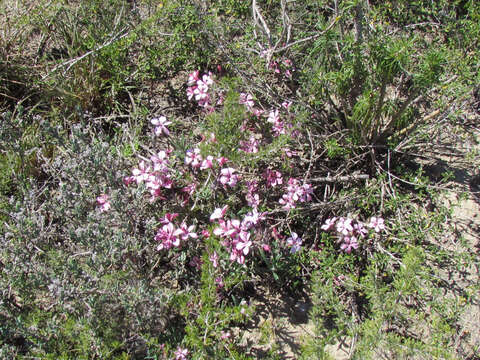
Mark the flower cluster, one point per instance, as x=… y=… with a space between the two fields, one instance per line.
x=273 y=178
x=252 y=197
x=155 y=174
x=247 y=100
x=198 y=88
x=170 y=236
x=250 y=145
x=296 y=193
x=195 y=159
x=278 y=126
x=350 y=231
x=228 y=176
x=236 y=234
x=284 y=67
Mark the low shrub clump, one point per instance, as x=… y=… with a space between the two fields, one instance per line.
x=186 y=159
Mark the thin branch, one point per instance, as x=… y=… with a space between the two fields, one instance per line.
x=313 y=37
x=260 y=21
x=334 y=179
x=68 y=64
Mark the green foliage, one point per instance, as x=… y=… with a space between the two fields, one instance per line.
x=357 y=71
x=227 y=126
x=209 y=320
x=79 y=82
x=392 y=294
x=187 y=41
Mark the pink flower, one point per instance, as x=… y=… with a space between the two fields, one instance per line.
x=205 y=103
x=214 y=259
x=222 y=160
x=201 y=91
x=161 y=125
x=155 y=182
x=247 y=100
x=104 y=203
x=193 y=158
x=166 y=237
x=329 y=224
x=218 y=213
x=234 y=228
x=307 y=191
x=273 y=178
x=294 y=242
x=250 y=146
x=252 y=186
x=219 y=282
x=252 y=219
x=349 y=243
x=359 y=229
x=273 y=117
x=344 y=226
x=295 y=192
x=142 y=173
x=228 y=177
x=287 y=201
x=207 y=163
x=237 y=255
x=222 y=230
x=193 y=77
x=278 y=126
x=257 y=112
x=160 y=161
x=181 y=354
x=189 y=189
x=205 y=233
x=377 y=223
x=168 y=218
x=286 y=105
x=191 y=92
x=288 y=152
x=266 y=248
x=244 y=243
x=207 y=79
x=253 y=200
x=185 y=232
x=156 y=194
x=127 y=180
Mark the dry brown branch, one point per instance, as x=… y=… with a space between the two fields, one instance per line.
x=68 y=64
x=334 y=179
x=260 y=22
x=313 y=37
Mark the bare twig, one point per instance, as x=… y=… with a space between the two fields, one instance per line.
x=313 y=37
x=348 y=178
x=68 y=64
x=260 y=22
